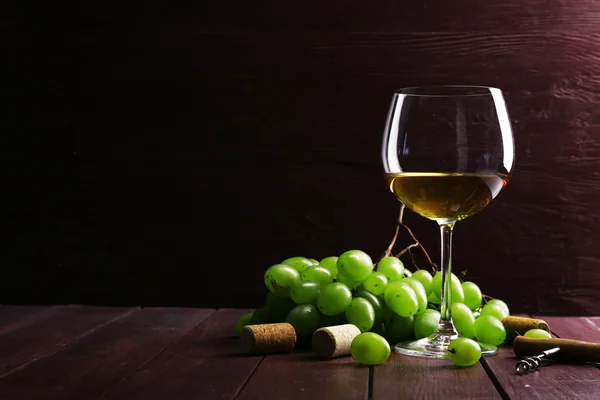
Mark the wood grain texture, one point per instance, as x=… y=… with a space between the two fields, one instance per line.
x=405 y=377
x=88 y=367
x=13 y=317
x=205 y=363
x=553 y=381
x=299 y=375
x=582 y=328
x=50 y=330
x=258 y=126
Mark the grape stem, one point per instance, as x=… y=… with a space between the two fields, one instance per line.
x=416 y=243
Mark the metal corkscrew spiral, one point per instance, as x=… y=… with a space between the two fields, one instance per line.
x=535 y=362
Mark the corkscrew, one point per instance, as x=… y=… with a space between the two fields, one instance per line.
x=535 y=362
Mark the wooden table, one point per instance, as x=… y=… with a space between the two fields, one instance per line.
x=81 y=352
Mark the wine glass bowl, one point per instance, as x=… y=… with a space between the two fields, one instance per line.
x=447 y=152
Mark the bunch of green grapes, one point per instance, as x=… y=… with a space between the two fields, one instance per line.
x=387 y=300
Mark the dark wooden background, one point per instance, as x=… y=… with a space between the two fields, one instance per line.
x=166 y=154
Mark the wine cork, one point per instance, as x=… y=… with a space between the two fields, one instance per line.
x=334 y=341
x=516 y=326
x=575 y=351
x=269 y=338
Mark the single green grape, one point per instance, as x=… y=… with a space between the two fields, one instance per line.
x=317 y=274
x=456 y=291
x=332 y=320
x=304 y=318
x=305 y=292
x=330 y=263
x=375 y=302
x=538 y=334
x=419 y=291
x=351 y=283
x=261 y=316
x=401 y=298
x=397 y=328
x=463 y=320
x=407 y=273
x=391 y=267
x=279 y=278
x=315 y=262
x=361 y=313
x=334 y=298
x=279 y=307
x=375 y=283
x=298 y=263
x=489 y=330
x=426 y=323
x=473 y=295
x=355 y=265
x=500 y=303
x=464 y=352
x=370 y=348
x=241 y=322
x=495 y=310
x=425 y=278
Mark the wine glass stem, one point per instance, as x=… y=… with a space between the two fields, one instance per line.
x=445 y=326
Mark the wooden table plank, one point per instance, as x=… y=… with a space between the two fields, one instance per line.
x=580 y=328
x=87 y=368
x=556 y=381
x=12 y=317
x=299 y=375
x=406 y=377
x=43 y=331
x=206 y=363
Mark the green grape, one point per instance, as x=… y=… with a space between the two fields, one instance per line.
x=315 y=262
x=332 y=320
x=361 y=313
x=538 y=334
x=500 y=303
x=375 y=301
x=351 y=283
x=419 y=291
x=401 y=298
x=334 y=298
x=317 y=274
x=391 y=267
x=463 y=320
x=495 y=310
x=489 y=330
x=355 y=265
x=304 y=318
x=298 y=263
x=472 y=295
x=375 y=283
x=279 y=278
x=241 y=322
x=426 y=322
x=305 y=292
x=279 y=307
x=464 y=352
x=457 y=294
x=397 y=328
x=330 y=263
x=425 y=278
x=407 y=273
x=260 y=316
x=370 y=348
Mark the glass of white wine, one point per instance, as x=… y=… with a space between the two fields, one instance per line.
x=447 y=152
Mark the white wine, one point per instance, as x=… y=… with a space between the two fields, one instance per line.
x=446 y=197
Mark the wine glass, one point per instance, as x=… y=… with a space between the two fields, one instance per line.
x=447 y=152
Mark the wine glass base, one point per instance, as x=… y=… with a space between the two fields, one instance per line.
x=427 y=348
